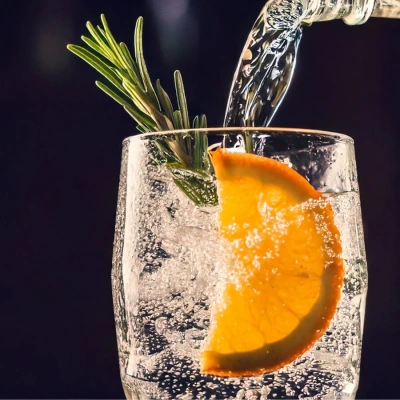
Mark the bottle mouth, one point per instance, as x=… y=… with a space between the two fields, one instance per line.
x=360 y=12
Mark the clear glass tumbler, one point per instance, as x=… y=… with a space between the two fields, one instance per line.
x=201 y=303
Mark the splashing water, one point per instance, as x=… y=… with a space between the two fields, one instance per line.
x=266 y=65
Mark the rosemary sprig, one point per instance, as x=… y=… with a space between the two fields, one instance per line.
x=130 y=81
x=130 y=85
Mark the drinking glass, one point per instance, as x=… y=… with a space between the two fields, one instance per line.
x=170 y=261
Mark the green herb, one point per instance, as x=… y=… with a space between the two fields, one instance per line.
x=129 y=84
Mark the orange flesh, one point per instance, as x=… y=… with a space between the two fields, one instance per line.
x=285 y=279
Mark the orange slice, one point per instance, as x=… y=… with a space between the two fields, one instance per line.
x=284 y=283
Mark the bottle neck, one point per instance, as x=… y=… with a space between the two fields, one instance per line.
x=352 y=12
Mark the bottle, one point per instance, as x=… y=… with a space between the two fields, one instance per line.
x=352 y=12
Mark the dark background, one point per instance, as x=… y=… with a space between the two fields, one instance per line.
x=60 y=154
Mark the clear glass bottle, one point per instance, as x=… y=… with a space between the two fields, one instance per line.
x=352 y=12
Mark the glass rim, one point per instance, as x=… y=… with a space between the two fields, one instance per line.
x=299 y=131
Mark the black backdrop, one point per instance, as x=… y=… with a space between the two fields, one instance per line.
x=60 y=153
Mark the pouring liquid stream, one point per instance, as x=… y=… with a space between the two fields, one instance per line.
x=267 y=62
